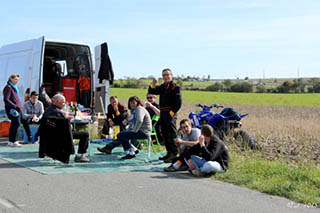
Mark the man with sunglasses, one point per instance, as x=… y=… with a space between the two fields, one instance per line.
x=151 y=105
x=153 y=108
x=170 y=103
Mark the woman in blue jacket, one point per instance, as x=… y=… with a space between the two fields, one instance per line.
x=13 y=107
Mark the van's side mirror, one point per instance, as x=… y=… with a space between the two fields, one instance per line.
x=63 y=67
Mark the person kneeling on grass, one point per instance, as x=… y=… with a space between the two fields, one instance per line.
x=140 y=128
x=207 y=157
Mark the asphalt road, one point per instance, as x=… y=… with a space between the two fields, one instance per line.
x=23 y=190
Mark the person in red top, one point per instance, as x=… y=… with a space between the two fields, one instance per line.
x=117 y=113
x=84 y=86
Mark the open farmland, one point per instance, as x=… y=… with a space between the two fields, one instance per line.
x=267 y=99
x=286 y=126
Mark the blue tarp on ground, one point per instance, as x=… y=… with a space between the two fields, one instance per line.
x=27 y=156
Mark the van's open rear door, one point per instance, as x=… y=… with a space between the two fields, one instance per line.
x=102 y=89
x=36 y=77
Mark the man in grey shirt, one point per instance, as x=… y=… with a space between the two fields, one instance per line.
x=189 y=137
x=31 y=113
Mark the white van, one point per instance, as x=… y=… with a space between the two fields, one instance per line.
x=57 y=66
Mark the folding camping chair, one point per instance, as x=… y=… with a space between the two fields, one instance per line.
x=149 y=141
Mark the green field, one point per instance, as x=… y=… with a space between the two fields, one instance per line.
x=310 y=99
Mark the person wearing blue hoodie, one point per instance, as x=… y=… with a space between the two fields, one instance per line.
x=13 y=107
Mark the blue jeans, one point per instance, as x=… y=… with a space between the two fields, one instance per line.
x=206 y=166
x=124 y=138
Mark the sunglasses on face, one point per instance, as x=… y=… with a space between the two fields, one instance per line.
x=149 y=97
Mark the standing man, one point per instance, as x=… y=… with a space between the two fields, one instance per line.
x=31 y=113
x=170 y=103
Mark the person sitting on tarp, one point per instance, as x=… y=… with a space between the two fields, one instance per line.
x=116 y=116
x=55 y=110
x=32 y=112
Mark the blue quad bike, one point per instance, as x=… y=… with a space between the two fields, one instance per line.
x=227 y=122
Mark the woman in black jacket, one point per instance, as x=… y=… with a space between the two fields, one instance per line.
x=210 y=155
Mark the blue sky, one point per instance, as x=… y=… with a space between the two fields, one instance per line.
x=223 y=39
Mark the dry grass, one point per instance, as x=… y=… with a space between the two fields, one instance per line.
x=288 y=133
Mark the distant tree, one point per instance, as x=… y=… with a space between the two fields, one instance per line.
x=214 y=87
x=227 y=84
x=260 y=89
x=246 y=78
x=116 y=85
x=286 y=87
x=132 y=83
x=314 y=85
x=298 y=85
x=242 y=87
x=180 y=82
x=313 y=81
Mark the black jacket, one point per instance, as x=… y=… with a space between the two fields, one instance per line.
x=215 y=151
x=170 y=96
x=105 y=71
x=56 y=139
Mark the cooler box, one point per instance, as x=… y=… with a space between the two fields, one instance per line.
x=69 y=89
x=4 y=128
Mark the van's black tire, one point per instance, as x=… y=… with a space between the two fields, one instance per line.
x=246 y=138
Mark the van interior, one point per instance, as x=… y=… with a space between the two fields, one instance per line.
x=67 y=69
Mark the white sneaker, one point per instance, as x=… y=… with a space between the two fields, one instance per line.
x=15 y=144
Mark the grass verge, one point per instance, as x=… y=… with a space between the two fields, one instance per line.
x=298 y=183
